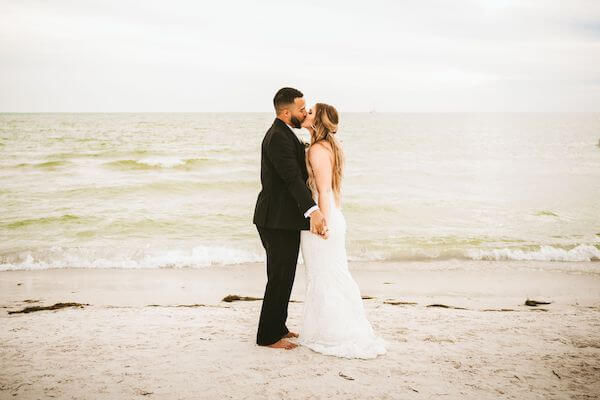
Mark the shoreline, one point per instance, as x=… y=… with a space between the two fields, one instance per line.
x=483 y=280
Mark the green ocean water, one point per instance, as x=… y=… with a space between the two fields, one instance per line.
x=168 y=190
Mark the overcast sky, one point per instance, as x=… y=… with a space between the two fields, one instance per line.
x=488 y=55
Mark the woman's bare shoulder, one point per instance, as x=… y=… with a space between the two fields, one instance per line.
x=319 y=155
x=320 y=148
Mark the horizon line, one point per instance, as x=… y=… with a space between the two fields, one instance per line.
x=272 y=112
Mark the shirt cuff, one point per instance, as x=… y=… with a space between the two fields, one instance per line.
x=310 y=210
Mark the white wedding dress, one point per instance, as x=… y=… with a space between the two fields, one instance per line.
x=334 y=320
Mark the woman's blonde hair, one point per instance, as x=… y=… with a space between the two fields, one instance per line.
x=324 y=129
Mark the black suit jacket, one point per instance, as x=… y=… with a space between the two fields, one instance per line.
x=285 y=196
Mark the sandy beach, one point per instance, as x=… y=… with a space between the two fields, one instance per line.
x=166 y=333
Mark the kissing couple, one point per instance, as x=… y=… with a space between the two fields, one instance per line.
x=299 y=207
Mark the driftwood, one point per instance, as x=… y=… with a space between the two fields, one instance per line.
x=349 y=378
x=52 y=307
x=367 y=297
x=534 y=303
x=498 y=309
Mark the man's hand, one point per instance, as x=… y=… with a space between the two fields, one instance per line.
x=318 y=225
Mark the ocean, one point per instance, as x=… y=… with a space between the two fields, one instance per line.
x=171 y=190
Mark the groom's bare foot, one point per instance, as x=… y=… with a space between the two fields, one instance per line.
x=290 y=335
x=283 y=344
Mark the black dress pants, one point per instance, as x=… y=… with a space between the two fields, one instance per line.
x=282 y=248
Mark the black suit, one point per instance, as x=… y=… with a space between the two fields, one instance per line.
x=279 y=218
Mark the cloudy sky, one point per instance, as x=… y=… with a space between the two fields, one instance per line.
x=232 y=55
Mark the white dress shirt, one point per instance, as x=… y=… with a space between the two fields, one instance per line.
x=315 y=207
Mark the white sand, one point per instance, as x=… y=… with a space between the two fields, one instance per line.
x=119 y=347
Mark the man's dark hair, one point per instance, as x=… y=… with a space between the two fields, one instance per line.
x=285 y=96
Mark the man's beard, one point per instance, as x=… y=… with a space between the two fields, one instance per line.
x=296 y=123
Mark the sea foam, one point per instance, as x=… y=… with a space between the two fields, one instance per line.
x=196 y=257
x=581 y=252
x=205 y=255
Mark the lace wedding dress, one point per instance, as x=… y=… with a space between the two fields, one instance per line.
x=334 y=320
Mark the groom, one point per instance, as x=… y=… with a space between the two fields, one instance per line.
x=282 y=210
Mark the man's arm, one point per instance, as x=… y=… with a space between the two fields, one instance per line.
x=310 y=210
x=282 y=153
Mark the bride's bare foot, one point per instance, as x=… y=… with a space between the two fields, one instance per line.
x=283 y=344
x=291 y=335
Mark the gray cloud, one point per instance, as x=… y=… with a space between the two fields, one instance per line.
x=232 y=55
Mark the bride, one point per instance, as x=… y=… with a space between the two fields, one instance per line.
x=334 y=320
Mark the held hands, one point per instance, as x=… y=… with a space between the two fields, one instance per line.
x=318 y=225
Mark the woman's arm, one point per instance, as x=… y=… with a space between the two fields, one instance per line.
x=321 y=163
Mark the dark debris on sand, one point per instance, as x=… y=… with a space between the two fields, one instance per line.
x=534 y=303
x=399 y=303
x=346 y=377
x=56 y=306
x=186 y=305
x=235 y=297
x=445 y=306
